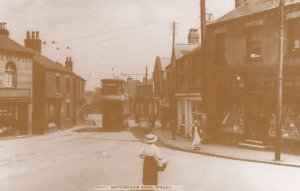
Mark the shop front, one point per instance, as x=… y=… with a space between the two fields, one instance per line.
x=246 y=108
x=189 y=108
x=14 y=112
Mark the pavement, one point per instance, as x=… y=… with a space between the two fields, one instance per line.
x=222 y=150
x=212 y=149
x=216 y=150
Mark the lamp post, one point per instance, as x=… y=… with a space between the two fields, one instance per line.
x=280 y=67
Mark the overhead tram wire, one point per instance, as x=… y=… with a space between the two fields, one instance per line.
x=123 y=29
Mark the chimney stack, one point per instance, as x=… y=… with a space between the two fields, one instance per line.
x=69 y=63
x=33 y=42
x=193 y=37
x=3 y=30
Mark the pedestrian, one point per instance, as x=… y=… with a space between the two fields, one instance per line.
x=196 y=135
x=137 y=119
x=150 y=154
x=152 y=121
x=173 y=128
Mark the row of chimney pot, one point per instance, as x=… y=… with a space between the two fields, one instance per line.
x=34 y=34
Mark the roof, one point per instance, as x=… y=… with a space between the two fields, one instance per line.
x=182 y=50
x=49 y=64
x=8 y=44
x=165 y=62
x=78 y=76
x=161 y=63
x=253 y=8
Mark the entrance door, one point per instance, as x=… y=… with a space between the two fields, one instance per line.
x=22 y=121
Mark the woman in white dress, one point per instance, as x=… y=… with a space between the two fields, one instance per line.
x=195 y=133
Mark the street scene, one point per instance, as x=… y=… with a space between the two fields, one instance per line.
x=135 y=95
x=83 y=159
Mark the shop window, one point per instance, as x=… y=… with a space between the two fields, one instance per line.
x=294 y=36
x=220 y=49
x=254 y=43
x=57 y=82
x=10 y=75
x=233 y=119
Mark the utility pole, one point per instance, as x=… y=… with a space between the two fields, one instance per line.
x=280 y=68
x=203 y=68
x=112 y=69
x=173 y=28
x=146 y=76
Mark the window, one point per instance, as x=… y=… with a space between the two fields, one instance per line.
x=68 y=85
x=10 y=75
x=254 y=43
x=220 y=49
x=57 y=82
x=196 y=111
x=68 y=110
x=294 y=36
x=182 y=112
x=181 y=72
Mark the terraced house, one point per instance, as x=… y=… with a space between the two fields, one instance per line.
x=183 y=83
x=242 y=55
x=36 y=92
x=15 y=85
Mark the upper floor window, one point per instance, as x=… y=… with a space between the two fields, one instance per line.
x=294 y=36
x=68 y=85
x=220 y=49
x=254 y=42
x=10 y=77
x=57 y=82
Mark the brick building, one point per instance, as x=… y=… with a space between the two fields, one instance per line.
x=242 y=55
x=143 y=100
x=58 y=92
x=79 y=95
x=183 y=82
x=159 y=83
x=15 y=85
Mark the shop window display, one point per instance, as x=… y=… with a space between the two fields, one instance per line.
x=290 y=122
x=234 y=118
x=6 y=120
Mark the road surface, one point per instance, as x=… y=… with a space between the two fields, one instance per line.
x=68 y=160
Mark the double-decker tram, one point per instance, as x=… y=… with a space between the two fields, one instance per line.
x=115 y=105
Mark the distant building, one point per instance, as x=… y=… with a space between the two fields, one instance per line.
x=144 y=98
x=159 y=83
x=131 y=88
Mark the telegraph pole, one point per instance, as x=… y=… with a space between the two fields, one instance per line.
x=146 y=76
x=203 y=67
x=173 y=28
x=280 y=68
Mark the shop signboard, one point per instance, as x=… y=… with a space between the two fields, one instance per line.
x=14 y=93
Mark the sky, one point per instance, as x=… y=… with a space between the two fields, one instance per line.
x=106 y=37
